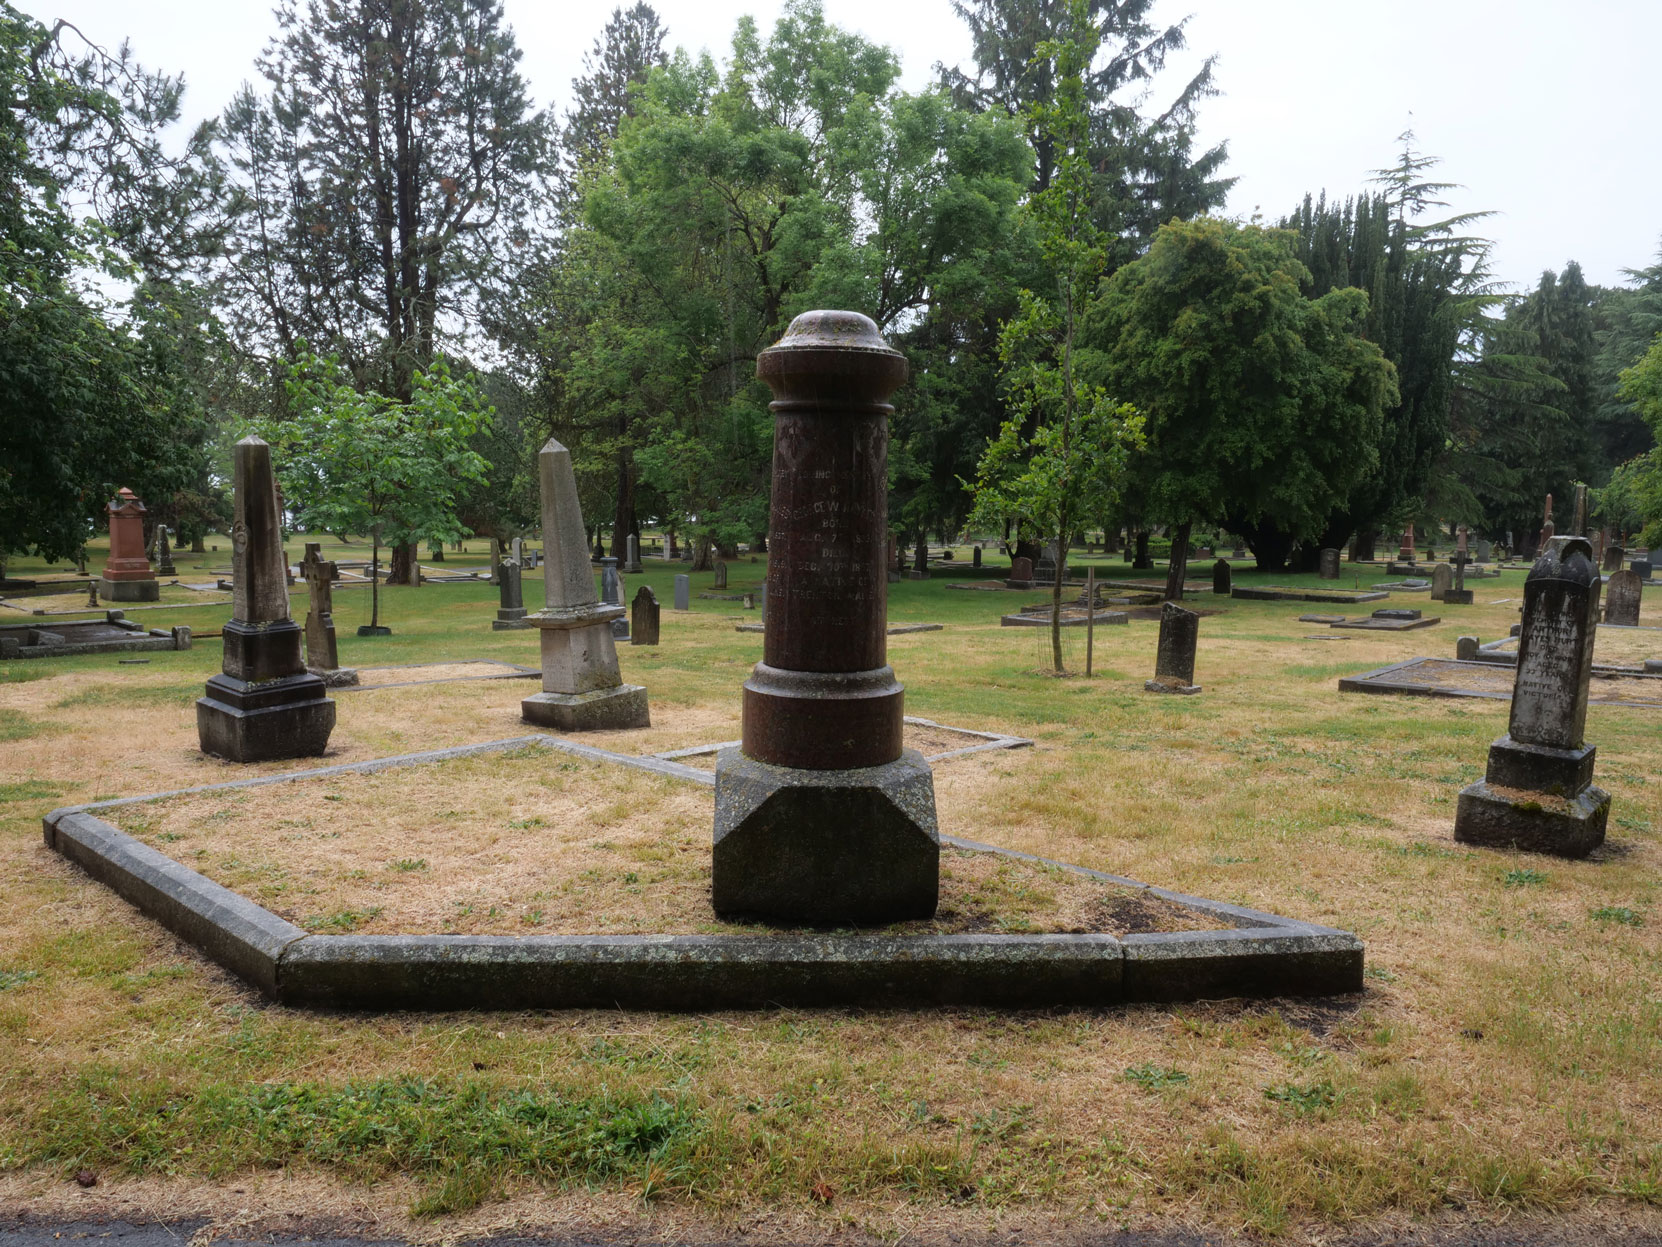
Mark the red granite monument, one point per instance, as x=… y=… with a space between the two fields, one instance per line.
x=822 y=815
x=127 y=575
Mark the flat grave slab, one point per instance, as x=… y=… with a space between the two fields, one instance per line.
x=1322 y=619
x=1404 y=586
x=1074 y=617
x=113 y=634
x=1452 y=677
x=1371 y=624
x=1126 y=942
x=400 y=675
x=1272 y=593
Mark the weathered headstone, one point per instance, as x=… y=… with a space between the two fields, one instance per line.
x=164 y=553
x=1021 y=573
x=1546 y=527
x=1405 y=551
x=822 y=815
x=1465 y=648
x=1538 y=792
x=611 y=594
x=322 y=652
x=1621 y=603
x=1613 y=555
x=510 y=611
x=1485 y=550
x=683 y=593
x=127 y=576
x=975 y=558
x=644 y=620
x=721 y=575
x=632 y=564
x=496 y=560
x=264 y=704
x=1223 y=578
x=1329 y=567
x=1640 y=568
x=1442 y=580
x=1174 y=661
x=581 y=687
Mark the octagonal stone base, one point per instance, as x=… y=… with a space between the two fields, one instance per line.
x=1536 y=823
x=825 y=848
x=604 y=710
x=248 y=722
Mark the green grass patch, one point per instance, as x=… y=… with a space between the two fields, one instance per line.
x=31 y=790
x=1153 y=1077
x=1619 y=914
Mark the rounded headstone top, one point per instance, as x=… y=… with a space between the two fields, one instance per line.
x=841 y=348
x=1566 y=558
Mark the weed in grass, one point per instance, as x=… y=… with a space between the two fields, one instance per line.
x=1305 y=1098
x=1151 y=1077
x=344 y=922
x=407 y=864
x=31 y=790
x=1523 y=878
x=525 y=824
x=1620 y=914
x=16 y=978
x=1378 y=974
x=15 y=725
x=1640 y=826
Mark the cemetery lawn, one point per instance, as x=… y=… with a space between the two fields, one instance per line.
x=1505 y=1059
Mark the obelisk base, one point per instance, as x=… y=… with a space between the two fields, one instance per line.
x=581 y=689
x=1535 y=798
x=509 y=617
x=130 y=590
x=1457 y=597
x=283 y=718
x=825 y=848
x=605 y=710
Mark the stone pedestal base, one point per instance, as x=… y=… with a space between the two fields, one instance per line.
x=284 y=718
x=1457 y=597
x=1535 y=798
x=1163 y=686
x=510 y=617
x=825 y=848
x=374 y=630
x=914 y=574
x=605 y=710
x=130 y=590
x=1019 y=584
x=336 y=677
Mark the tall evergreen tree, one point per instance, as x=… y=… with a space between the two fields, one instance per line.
x=626 y=51
x=1627 y=319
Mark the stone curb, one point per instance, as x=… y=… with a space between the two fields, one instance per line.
x=1252 y=954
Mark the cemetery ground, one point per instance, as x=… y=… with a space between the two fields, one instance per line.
x=1504 y=1061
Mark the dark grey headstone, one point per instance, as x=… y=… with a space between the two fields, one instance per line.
x=1613 y=558
x=1485 y=551
x=1640 y=568
x=1465 y=648
x=975 y=557
x=1222 y=577
x=1442 y=580
x=1537 y=793
x=721 y=575
x=1329 y=568
x=1174 y=663
x=1621 y=602
x=644 y=621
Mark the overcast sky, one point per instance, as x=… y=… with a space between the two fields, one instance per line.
x=1546 y=112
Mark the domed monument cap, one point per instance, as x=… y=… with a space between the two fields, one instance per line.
x=845 y=346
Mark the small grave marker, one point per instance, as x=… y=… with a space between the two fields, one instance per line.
x=1223 y=577
x=683 y=593
x=1621 y=606
x=644 y=623
x=1174 y=662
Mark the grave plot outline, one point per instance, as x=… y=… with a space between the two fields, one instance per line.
x=1251 y=953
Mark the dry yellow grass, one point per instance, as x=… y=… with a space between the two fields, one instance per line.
x=1505 y=1059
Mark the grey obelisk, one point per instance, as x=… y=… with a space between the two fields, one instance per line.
x=265 y=704
x=581 y=687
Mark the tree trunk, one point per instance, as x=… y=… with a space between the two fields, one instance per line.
x=403 y=559
x=623 y=515
x=196 y=546
x=1179 y=565
x=702 y=562
x=374 y=580
x=1268 y=543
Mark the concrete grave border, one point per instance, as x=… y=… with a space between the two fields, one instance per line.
x=1380 y=680
x=1338 y=597
x=1250 y=954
